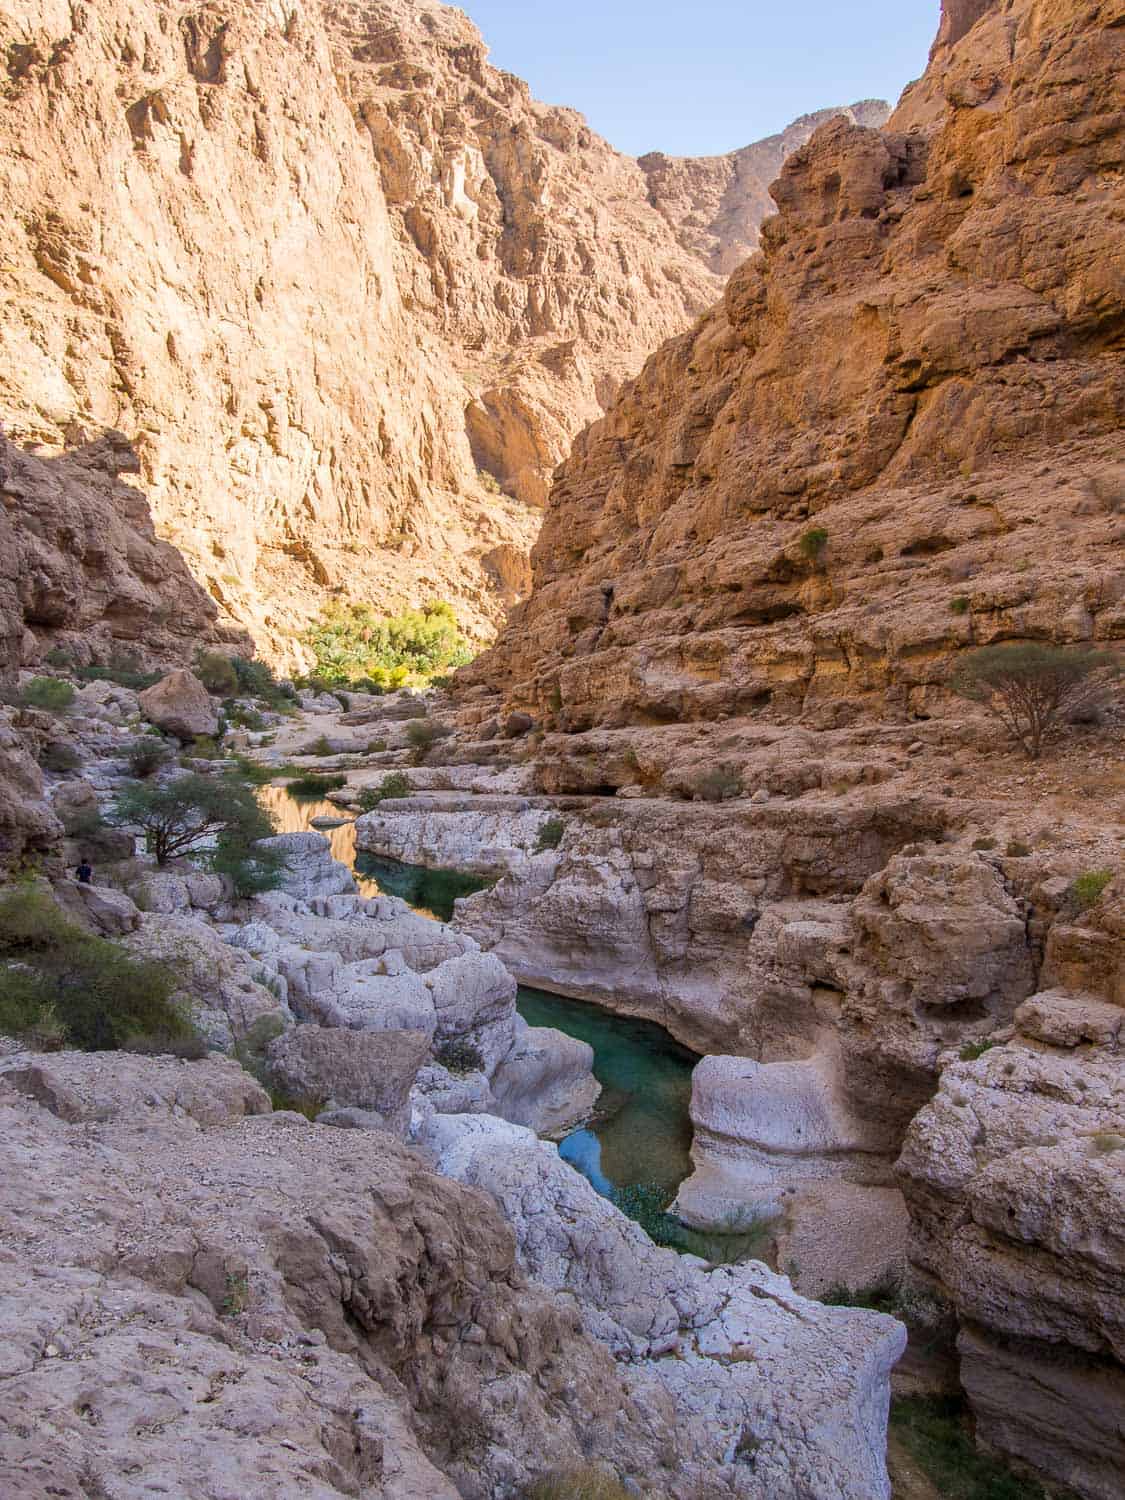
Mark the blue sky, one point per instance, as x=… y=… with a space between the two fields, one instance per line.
x=705 y=77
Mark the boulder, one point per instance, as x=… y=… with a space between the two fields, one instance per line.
x=310 y=871
x=1014 y=1176
x=365 y=1070
x=118 y=1086
x=179 y=704
x=112 y=911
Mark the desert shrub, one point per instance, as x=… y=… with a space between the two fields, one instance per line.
x=1017 y=849
x=459 y=1056
x=126 y=671
x=1107 y=1142
x=353 y=643
x=183 y=815
x=256 y=680
x=972 y=1050
x=244 y=718
x=59 y=982
x=1031 y=688
x=396 y=784
x=1086 y=890
x=318 y=750
x=206 y=747
x=217 y=674
x=251 y=867
x=376 y=747
x=576 y=1484
x=59 y=757
x=984 y=843
x=489 y=482
x=936 y=1435
x=550 y=835
x=959 y=605
x=718 y=784
x=146 y=755
x=315 y=786
x=54 y=694
x=422 y=735
x=813 y=542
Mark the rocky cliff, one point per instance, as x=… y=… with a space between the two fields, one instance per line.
x=897 y=435
x=715 y=205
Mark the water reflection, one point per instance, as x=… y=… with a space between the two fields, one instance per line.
x=294 y=815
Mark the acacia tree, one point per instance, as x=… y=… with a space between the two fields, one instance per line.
x=193 y=813
x=1030 y=688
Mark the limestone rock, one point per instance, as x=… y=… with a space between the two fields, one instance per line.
x=365 y=1070
x=310 y=871
x=116 y=1086
x=328 y=1314
x=179 y=703
x=27 y=823
x=1015 y=1179
x=715 y=205
x=779 y=515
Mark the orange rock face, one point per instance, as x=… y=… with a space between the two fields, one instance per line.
x=897 y=436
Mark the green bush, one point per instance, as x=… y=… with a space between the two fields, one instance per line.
x=422 y=735
x=315 y=786
x=935 y=1433
x=59 y=757
x=813 y=542
x=256 y=680
x=352 y=643
x=984 y=843
x=972 y=1050
x=1017 y=849
x=124 y=670
x=243 y=718
x=58 y=983
x=145 y=756
x=459 y=1057
x=1031 y=688
x=959 y=605
x=217 y=673
x=396 y=784
x=205 y=747
x=719 y=784
x=1086 y=890
x=181 y=816
x=550 y=835
x=54 y=694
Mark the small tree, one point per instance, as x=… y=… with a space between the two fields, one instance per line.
x=54 y=694
x=217 y=673
x=193 y=811
x=1031 y=687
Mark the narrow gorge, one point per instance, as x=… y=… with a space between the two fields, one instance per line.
x=680 y=1053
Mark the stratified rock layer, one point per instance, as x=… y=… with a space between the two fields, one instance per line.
x=897 y=437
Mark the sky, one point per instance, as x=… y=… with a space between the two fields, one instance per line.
x=705 y=77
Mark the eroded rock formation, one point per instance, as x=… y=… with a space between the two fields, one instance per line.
x=715 y=205
x=897 y=436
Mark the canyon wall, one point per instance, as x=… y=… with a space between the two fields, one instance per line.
x=897 y=436
x=348 y=290
x=715 y=205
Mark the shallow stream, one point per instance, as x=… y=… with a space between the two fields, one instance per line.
x=635 y=1149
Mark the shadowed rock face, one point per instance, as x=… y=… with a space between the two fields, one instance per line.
x=81 y=565
x=910 y=396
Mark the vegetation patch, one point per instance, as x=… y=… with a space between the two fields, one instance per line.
x=935 y=1434
x=959 y=605
x=53 y=694
x=1033 y=688
x=550 y=835
x=62 y=986
x=972 y=1050
x=422 y=735
x=218 y=816
x=355 y=645
x=812 y=543
x=460 y=1057
x=315 y=786
x=717 y=784
x=396 y=784
x=577 y=1484
x=1087 y=889
x=59 y=757
x=147 y=755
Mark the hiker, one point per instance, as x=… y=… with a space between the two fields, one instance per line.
x=85 y=872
